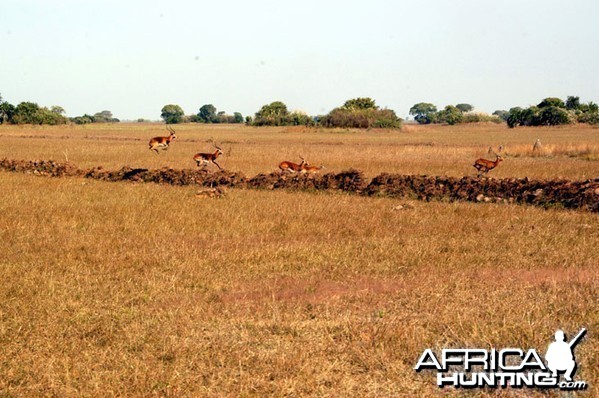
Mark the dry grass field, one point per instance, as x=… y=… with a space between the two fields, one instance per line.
x=568 y=152
x=120 y=289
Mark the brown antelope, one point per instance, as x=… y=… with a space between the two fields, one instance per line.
x=484 y=165
x=292 y=167
x=162 y=142
x=207 y=158
x=311 y=169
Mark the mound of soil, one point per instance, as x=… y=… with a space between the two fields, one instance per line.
x=547 y=193
x=351 y=181
x=40 y=167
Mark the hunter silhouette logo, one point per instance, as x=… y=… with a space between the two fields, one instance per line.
x=509 y=367
x=560 y=355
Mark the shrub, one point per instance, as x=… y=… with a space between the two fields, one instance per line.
x=361 y=118
x=7 y=112
x=424 y=112
x=477 y=117
x=172 y=114
x=273 y=114
x=553 y=116
x=360 y=103
x=551 y=101
x=85 y=119
x=298 y=118
x=590 y=118
x=450 y=115
x=465 y=107
x=503 y=115
x=27 y=113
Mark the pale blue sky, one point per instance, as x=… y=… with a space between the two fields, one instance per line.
x=133 y=57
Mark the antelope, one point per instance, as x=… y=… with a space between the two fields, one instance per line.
x=311 y=169
x=292 y=167
x=484 y=165
x=207 y=158
x=162 y=142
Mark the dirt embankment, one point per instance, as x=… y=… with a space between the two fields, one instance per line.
x=547 y=193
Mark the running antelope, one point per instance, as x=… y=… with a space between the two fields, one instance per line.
x=311 y=169
x=162 y=142
x=293 y=167
x=484 y=165
x=207 y=158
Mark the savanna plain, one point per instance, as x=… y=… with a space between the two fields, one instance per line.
x=133 y=289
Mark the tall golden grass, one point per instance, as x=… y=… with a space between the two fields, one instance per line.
x=115 y=289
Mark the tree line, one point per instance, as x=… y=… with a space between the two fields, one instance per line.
x=551 y=111
x=354 y=113
x=31 y=113
x=359 y=112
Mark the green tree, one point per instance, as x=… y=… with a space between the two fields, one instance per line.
x=451 y=115
x=237 y=117
x=207 y=114
x=552 y=101
x=360 y=103
x=503 y=115
x=572 y=102
x=172 y=114
x=7 y=112
x=424 y=112
x=104 y=117
x=51 y=117
x=553 y=116
x=57 y=109
x=85 y=119
x=591 y=107
x=298 y=118
x=27 y=113
x=273 y=114
x=360 y=118
x=464 y=107
x=530 y=116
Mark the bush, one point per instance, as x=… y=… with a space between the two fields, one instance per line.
x=523 y=117
x=273 y=114
x=47 y=116
x=360 y=103
x=85 y=119
x=590 y=118
x=473 y=117
x=7 y=112
x=551 y=101
x=27 y=113
x=548 y=115
x=503 y=115
x=298 y=118
x=424 y=112
x=450 y=115
x=553 y=116
x=361 y=118
x=172 y=114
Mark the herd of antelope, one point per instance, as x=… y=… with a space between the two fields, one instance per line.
x=203 y=159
